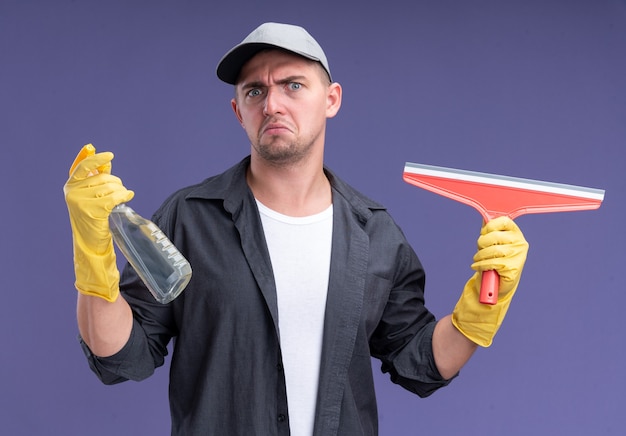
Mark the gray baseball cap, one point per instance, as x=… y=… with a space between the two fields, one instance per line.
x=270 y=35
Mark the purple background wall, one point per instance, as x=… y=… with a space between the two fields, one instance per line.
x=533 y=89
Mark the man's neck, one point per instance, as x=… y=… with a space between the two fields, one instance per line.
x=299 y=189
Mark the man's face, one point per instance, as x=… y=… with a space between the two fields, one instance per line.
x=283 y=100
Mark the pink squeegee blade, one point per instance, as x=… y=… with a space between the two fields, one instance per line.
x=496 y=195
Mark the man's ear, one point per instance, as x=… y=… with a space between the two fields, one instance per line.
x=233 y=104
x=333 y=99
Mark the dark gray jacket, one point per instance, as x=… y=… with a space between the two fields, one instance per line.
x=226 y=372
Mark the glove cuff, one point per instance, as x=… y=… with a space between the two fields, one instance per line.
x=97 y=274
x=476 y=321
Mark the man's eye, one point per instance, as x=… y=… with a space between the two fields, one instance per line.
x=254 y=92
x=294 y=86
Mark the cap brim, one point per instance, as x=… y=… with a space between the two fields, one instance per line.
x=230 y=65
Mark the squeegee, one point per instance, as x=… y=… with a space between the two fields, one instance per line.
x=496 y=195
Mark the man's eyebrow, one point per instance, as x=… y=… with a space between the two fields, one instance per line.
x=290 y=79
x=253 y=84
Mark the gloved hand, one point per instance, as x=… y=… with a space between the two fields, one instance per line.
x=91 y=192
x=501 y=247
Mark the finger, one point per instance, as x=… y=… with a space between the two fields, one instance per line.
x=95 y=164
x=506 y=270
x=499 y=238
x=499 y=224
x=97 y=202
x=95 y=187
x=118 y=197
x=497 y=251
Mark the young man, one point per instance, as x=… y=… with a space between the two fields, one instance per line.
x=298 y=279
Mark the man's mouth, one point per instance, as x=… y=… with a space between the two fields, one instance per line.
x=275 y=129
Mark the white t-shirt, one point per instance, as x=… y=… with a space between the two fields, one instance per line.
x=299 y=249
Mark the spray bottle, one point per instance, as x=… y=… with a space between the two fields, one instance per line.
x=159 y=264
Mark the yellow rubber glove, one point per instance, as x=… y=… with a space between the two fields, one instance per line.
x=91 y=192
x=501 y=247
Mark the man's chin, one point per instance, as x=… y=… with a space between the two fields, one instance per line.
x=281 y=157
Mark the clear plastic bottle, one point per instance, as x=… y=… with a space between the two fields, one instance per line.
x=156 y=260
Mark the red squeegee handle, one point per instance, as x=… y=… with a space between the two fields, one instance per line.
x=490 y=281
x=489 y=287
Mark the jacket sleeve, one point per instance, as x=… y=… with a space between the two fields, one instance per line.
x=127 y=364
x=402 y=339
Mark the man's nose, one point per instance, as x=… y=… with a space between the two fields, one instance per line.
x=273 y=102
